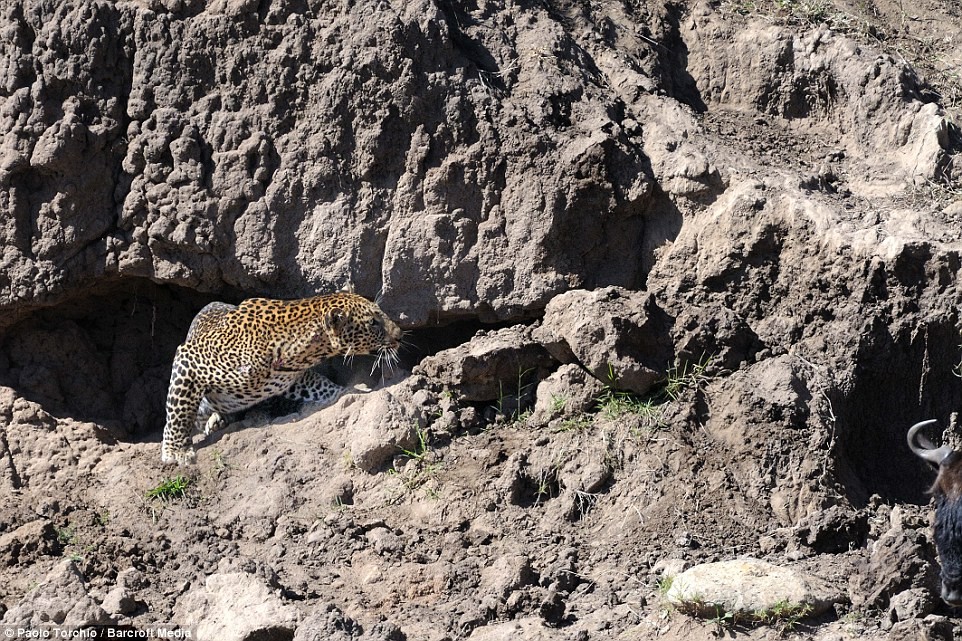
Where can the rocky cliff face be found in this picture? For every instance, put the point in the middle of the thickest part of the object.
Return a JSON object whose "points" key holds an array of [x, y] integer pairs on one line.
{"points": [[462, 162], [758, 205], [462, 165]]}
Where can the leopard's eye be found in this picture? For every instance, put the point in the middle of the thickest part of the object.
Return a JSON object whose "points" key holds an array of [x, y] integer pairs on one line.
{"points": [[374, 321]]}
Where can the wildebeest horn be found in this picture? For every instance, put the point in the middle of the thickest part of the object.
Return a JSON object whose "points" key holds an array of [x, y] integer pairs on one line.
{"points": [[926, 450]]}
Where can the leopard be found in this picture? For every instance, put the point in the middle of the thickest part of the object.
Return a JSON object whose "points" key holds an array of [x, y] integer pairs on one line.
{"points": [[236, 356]]}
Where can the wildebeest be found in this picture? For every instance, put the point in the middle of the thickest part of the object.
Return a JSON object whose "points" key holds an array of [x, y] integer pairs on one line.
{"points": [[947, 490]]}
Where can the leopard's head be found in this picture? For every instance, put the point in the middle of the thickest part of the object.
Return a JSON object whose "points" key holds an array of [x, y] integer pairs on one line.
{"points": [[356, 325]]}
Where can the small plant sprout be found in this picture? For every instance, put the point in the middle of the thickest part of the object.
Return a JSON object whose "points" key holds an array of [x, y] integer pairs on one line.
{"points": [[421, 448], [420, 469], [218, 466], [614, 403], [722, 620], [510, 403], [66, 535], [650, 408], [576, 424], [558, 403], [612, 378], [784, 614], [547, 483], [687, 376], [664, 584]]}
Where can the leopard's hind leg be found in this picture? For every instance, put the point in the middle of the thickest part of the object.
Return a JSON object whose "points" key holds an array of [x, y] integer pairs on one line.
{"points": [[183, 400], [208, 419]]}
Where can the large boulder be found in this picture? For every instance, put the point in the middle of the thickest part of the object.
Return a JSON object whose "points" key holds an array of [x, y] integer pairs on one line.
{"points": [[378, 426], [621, 337], [413, 151]]}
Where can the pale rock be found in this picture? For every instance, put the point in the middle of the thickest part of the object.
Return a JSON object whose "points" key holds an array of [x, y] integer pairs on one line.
{"points": [[915, 603], [569, 391], [376, 427], [119, 601], [746, 587], [506, 574], [527, 628], [236, 606]]}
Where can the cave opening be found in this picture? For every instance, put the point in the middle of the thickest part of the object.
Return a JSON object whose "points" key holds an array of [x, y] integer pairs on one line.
{"points": [[104, 355]]}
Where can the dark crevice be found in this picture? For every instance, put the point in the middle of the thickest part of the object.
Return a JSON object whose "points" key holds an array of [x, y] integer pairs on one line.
{"points": [[15, 481], [533, 490], [423, 342], [901, 379], [673, 63], [474, 51]]}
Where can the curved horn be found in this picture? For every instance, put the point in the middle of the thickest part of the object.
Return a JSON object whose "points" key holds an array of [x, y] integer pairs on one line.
{"points": [[932, 455]]}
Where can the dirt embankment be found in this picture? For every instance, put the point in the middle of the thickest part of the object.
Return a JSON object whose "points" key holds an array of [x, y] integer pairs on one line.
{"points": [[712, 249]]}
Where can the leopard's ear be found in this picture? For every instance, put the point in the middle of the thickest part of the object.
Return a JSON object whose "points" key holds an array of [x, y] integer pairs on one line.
{"points": [[335, 319]]}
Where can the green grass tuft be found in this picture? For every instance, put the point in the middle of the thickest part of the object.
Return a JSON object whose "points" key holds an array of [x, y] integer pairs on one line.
{"points": [[170, 489], [688, 376], [420, 449], [66, 535]]}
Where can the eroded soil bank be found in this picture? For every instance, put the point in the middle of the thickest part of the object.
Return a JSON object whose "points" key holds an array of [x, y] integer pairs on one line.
{"points": [[676, 278]]}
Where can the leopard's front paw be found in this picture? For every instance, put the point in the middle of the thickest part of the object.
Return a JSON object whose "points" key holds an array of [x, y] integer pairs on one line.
{"points": [[180, 456]]}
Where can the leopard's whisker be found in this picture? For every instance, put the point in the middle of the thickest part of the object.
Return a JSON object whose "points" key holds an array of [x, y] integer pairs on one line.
{"points": [[386, 360]]}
